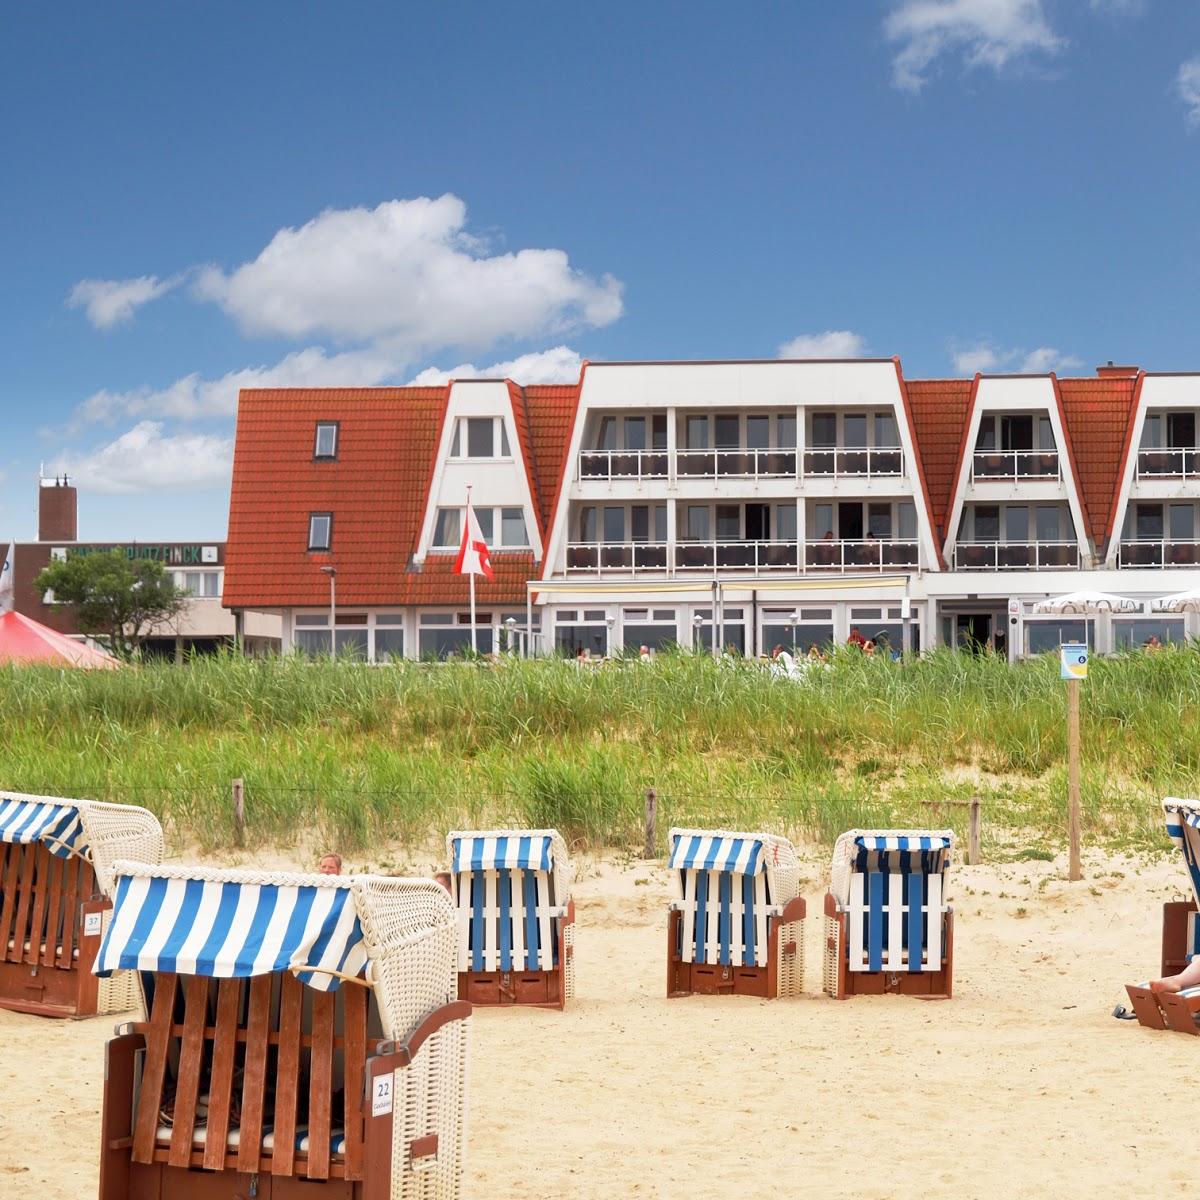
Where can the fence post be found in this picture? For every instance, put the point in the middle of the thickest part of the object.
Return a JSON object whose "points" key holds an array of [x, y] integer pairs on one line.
{"points": [[974, 832], [650, 849], [239, 811]]}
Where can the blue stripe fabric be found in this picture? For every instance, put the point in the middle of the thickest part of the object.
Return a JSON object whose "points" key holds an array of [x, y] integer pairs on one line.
{"points": [[701, 930], [528, 852], [916, 921], [749, 925], [875, 921], [532, 941], [504, 903], [477, 959], [24, 821], [739, 855], [725, 888], [874, 841]]}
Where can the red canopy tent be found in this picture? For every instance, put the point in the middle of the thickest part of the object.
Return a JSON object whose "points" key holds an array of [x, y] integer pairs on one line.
{"points": [[25, 642]]}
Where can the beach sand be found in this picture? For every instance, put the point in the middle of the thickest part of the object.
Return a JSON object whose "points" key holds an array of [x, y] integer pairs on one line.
{"points": [[1022, 1085]]}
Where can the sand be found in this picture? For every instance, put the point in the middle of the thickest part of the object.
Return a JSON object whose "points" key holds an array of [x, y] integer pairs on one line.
{"points": [[1022, 1085]]}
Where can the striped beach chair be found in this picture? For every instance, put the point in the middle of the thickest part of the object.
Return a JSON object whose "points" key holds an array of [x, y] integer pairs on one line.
{"points": [[299, 1035], [887, 925], [56, 859], [736, 924], [1180, 933], [516, 919]]}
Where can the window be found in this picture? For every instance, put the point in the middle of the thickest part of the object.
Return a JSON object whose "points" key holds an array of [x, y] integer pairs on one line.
{"points": [[639, 523], [1016, 523], [1183, 517], [1181, 430], [487, 526], [1045, 434], [320, 527], [879, 521], [606, 439], [1149, 522], [729, 522], [785, 523], [987, 523], [822, 520], [697, 433], [325, 445], [658, 431], [1152, 432], [697, 522], [886, 435], [726, 431], [635, 433], [389, 643], [854, 426], [483, 437], [1048, 524], [660, 522], [785, 431], [614, 524], [448, 527], [512, 527], [824, 429], [587, 524], [908, 521], [758, 432]]}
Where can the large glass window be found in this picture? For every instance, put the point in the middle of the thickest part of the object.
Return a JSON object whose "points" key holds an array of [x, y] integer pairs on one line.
{"points": [[325, 445], [389, 643], [635, 433], [785, 431], [587, 524], [1183, 522], [487, 525], [785, 523], [758, 432], [1048, 524], [484, 437], [512, 527], [822, 521], [879, 521], [1045, 434], [614, 524], [908, 521], [697, 433], [1149, 522], [1181, 430], [1041, 636], [658, 431], [312, 642], [886, 434], [728, 523], [697, 522], [1129, 635], [987, 523], [1016, 523], [854, 428], [447, 528], [607, 438], [639, 523], [320, 528], [726, 431], [824, 429], [660, 522]]}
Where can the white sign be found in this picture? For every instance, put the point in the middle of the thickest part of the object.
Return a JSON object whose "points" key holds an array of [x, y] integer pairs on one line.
{"points": [[381, 1095], [92, 924], [208, 554], [1014, 608]]}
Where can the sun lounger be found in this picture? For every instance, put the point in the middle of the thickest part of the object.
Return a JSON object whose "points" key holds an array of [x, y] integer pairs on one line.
{"points": [[56, 857], [516, 919], [298, 1036], [736, 925], [887, 926]]}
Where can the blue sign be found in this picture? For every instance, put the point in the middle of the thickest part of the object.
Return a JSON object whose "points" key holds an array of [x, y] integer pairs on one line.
{"points": [[1073, 659]]}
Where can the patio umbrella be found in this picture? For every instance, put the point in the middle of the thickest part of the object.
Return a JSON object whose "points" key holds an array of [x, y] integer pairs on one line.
{"points": [[1177, 602], [1079, 604], [25, 642]]}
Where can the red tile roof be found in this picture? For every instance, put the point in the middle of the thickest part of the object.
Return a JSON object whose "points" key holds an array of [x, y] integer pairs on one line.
{"points": [[1098, 416], [552, 409], [940, 410]]}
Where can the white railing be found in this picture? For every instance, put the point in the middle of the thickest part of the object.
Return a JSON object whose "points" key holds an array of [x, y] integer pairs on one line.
{"points": [[735, 463], [1167, 552], [1015, 556], [1174, 463], [622, 464], [859, 463], [634, 558], [870, 555], [997, 465], [755, 557]]}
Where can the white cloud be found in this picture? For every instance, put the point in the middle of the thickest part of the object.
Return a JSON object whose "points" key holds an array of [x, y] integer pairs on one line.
{"points": [[560, 365], [406, 275], [1188, 82], [986, 33], [833, 343], [144, 460], [110, 302], [985, 359]]}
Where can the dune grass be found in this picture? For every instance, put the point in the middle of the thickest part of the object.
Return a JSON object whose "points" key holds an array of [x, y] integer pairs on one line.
{"points": [[361, 754]]}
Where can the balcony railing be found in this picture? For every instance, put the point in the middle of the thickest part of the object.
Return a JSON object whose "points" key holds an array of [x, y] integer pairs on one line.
{"points": [[870, 555], [1016, 556], [859, 463], [1168, 464], [622, 464], [735, 464], [996, 466], [592, 558], [752, 557], [1169, 552], [755, 557]]}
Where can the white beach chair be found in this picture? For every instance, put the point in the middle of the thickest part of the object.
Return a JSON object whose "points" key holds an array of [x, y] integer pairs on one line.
{"points": [[736, 925], [516, 919], [887, 925]]}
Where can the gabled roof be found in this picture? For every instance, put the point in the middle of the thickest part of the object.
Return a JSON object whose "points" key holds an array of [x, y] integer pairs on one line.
{"points": [[553, 408], [940, 411], [1098, 415]]}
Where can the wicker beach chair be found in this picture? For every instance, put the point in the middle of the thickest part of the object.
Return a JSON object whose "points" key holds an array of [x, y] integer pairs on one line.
{"points": [[299, 1037], [1180, 932], [516, 919], [887, 926], [56, 859], [736, 924]]}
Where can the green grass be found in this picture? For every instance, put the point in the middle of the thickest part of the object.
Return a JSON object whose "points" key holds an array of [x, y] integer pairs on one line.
{"points": [[408, 751]]}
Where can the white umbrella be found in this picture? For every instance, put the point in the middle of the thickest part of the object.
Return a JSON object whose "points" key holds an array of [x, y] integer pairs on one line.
{"points": [[1179, 602], [1087, 603]]}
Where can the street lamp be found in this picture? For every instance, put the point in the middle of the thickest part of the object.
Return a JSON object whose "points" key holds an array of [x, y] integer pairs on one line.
{"points": [[332, 573], [510, 623], [794, 621], [610, 622], [697, 625]]}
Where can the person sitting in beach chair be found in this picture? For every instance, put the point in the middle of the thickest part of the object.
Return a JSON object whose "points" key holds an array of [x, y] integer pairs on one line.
{"points": [[1173, 1000], [736, 925], [516, 918], [298, 1034], [329, 864], [887, 926]]}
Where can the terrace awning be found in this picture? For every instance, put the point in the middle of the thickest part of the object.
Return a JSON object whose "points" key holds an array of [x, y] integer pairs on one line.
{"points": [[700, 852], [165, 919], [491, 852], [25, 820]]}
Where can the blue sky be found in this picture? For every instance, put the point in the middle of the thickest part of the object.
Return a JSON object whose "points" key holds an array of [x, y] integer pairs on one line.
{"points": [[201, 196]]}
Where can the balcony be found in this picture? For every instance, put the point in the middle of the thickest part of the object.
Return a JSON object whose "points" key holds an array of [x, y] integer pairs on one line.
{"points": [[858, 463], [735, 464], [622, 464], [1016, 556], [1000, 466], [1170, 552], [1178, 463], [870, 555]]}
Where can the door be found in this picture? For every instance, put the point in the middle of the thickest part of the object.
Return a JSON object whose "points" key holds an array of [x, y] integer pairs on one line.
{"points": [[973, 631]]}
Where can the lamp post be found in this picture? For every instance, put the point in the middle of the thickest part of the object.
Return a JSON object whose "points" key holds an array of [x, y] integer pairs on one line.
{"points": [[510, 623], [332, 573], [697, 625], [794, 621], [611, 623]]}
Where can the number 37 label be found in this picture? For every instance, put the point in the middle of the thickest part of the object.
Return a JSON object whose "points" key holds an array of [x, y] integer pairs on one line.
{"points": [[381, 1095]]}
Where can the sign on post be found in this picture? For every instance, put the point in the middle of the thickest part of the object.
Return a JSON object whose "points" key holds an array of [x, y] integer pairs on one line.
{"points": [[1073, 663], [1073, 660]]}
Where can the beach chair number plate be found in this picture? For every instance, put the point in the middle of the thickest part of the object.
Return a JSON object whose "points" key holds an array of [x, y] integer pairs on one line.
{"points": [[381, 1096], [91, 924]]}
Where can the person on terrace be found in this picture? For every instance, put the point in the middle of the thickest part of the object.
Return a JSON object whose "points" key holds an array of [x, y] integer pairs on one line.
{"points": [[856, 638]]}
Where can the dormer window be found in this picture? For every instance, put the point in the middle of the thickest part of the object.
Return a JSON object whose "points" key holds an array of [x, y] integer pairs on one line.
{"points": [[480, 437], [325, 444], [320, 530]]}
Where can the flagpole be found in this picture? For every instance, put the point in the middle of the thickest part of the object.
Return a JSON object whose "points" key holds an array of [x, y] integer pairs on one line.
{"points": [[467, 516]]}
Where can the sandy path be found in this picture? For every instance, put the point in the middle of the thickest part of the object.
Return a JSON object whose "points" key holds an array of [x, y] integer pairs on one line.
{"points": [[1023, 1085]]}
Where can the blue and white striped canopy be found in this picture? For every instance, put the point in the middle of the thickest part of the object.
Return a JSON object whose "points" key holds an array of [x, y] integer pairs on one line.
{"points": [[1177, 818], [704, 852], [228, 929], [1182, 815], [879, 841], [24, 821], [488, 853]]}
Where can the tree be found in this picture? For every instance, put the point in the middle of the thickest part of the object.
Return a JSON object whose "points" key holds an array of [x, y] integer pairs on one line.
{"points": [[113, 596]]}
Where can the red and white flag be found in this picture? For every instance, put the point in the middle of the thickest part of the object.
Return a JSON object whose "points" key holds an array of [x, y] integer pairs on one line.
{"points": [[474, 557]]}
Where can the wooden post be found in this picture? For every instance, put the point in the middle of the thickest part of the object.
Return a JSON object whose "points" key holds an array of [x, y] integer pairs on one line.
{"points": [[1074, 871], [239, 811], [974, 831], [650, 849]]}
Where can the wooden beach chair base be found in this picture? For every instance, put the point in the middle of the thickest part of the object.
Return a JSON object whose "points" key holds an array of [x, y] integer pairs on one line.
{"points": [[1177, 916], [842, 983], [1145, 1006], [708, 979]]}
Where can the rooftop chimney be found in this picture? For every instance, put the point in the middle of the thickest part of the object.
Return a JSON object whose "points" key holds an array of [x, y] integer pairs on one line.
{"points": [[1109, 371], [58, 511]]}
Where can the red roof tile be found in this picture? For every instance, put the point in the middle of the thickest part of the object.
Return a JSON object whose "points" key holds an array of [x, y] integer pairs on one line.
{"points": [[940, 411], [552, 409]]}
